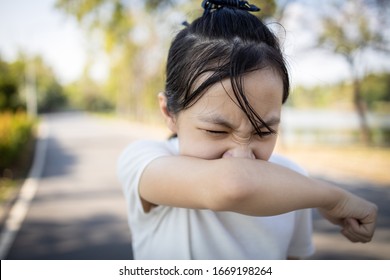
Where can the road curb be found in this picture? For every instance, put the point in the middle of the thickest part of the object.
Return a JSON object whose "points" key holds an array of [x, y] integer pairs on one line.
{"points": [[19, 209]]}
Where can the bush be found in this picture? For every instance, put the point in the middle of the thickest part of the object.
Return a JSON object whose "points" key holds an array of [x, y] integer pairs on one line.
{"points": [[16, 131]]}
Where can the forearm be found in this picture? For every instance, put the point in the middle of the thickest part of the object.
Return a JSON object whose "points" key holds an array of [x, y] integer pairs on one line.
{"points": [[252, 187], [271, 190], [260, 188]]}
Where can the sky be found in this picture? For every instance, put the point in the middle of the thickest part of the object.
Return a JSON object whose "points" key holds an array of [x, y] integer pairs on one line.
{"points": [[36, 27]]}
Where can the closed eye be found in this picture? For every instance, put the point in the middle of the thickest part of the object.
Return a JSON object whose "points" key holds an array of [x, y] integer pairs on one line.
{"points": [[216, 131], [266, 133]]}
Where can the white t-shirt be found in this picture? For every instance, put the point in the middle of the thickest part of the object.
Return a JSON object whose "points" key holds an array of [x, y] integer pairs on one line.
{"points": [[179, 233]]}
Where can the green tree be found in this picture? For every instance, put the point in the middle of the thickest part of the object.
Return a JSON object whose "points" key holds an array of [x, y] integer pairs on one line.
{"points": [[16, 77], [9, 83], [50, 94], [87, 94], [376, 90], [349, 29]]}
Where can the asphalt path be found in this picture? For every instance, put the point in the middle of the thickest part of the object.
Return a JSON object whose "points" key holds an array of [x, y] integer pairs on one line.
{"points": [[78, 210]]}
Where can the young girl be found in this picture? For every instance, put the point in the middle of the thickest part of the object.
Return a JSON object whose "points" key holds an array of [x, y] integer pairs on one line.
{"points": [[216, 190]]}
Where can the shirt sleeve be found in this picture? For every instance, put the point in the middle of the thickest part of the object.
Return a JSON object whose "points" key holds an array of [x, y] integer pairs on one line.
{"points": [[131, 165]]}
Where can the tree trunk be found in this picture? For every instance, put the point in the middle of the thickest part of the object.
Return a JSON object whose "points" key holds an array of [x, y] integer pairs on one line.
{"points": [[360, 106]]}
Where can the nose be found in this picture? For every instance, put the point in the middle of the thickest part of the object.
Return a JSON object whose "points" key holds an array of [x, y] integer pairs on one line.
{"points": [[240, 152]]}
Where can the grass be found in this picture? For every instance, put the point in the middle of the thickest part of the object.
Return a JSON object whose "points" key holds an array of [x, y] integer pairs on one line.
{"points": [[14, 176], [17, 143]]}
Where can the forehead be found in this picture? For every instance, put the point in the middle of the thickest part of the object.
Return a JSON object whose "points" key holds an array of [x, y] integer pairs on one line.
{"points": [[263, 90]]}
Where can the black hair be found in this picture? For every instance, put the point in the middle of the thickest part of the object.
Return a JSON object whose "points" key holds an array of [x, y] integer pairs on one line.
{"points": [[227, 42]]}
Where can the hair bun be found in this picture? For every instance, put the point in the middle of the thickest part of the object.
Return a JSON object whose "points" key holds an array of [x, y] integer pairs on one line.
{"points": [[209, 5]]}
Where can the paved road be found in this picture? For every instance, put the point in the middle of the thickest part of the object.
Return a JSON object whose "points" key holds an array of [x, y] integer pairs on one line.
{"points": [[79, 212]]}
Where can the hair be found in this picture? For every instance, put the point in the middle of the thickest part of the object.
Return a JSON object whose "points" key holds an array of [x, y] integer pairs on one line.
{"points": [[224, 43]]}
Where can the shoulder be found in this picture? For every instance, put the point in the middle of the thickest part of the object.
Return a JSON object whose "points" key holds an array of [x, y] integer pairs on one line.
{"points": [[140, 153], [285, 162], [141, 148]]}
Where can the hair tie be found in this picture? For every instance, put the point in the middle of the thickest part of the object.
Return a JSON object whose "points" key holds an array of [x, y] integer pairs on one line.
{"points": [[209, 5], [185, 23]]}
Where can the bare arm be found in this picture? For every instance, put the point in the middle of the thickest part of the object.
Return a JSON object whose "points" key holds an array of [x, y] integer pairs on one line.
{"points": [[252, 187]]}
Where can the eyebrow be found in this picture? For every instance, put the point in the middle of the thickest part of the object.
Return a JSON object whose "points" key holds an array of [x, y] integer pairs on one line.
{"points": [[216, 119], [272, 121], [219, 120]]}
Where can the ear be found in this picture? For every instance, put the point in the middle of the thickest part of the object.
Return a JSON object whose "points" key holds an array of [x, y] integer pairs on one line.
{"points": [[169, 118]]}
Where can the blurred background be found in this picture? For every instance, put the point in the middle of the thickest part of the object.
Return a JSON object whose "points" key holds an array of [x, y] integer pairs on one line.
{"points": [[89, 71]]}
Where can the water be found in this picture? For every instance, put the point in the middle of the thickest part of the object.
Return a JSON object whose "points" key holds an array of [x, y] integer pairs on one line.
{"points": [[309, 125]]}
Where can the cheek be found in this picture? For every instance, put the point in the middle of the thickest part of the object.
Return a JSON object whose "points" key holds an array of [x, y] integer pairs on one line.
{"points": [[200, 147], [264, 150], [202, 150]]}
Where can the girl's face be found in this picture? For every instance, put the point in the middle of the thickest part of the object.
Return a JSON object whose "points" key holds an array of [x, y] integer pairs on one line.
{"points": [[215, 127]]}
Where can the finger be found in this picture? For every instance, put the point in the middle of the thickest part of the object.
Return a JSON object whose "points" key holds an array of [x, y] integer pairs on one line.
{"points": [[350, 236], [359, 231], [356, 232], [365, 230]]}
